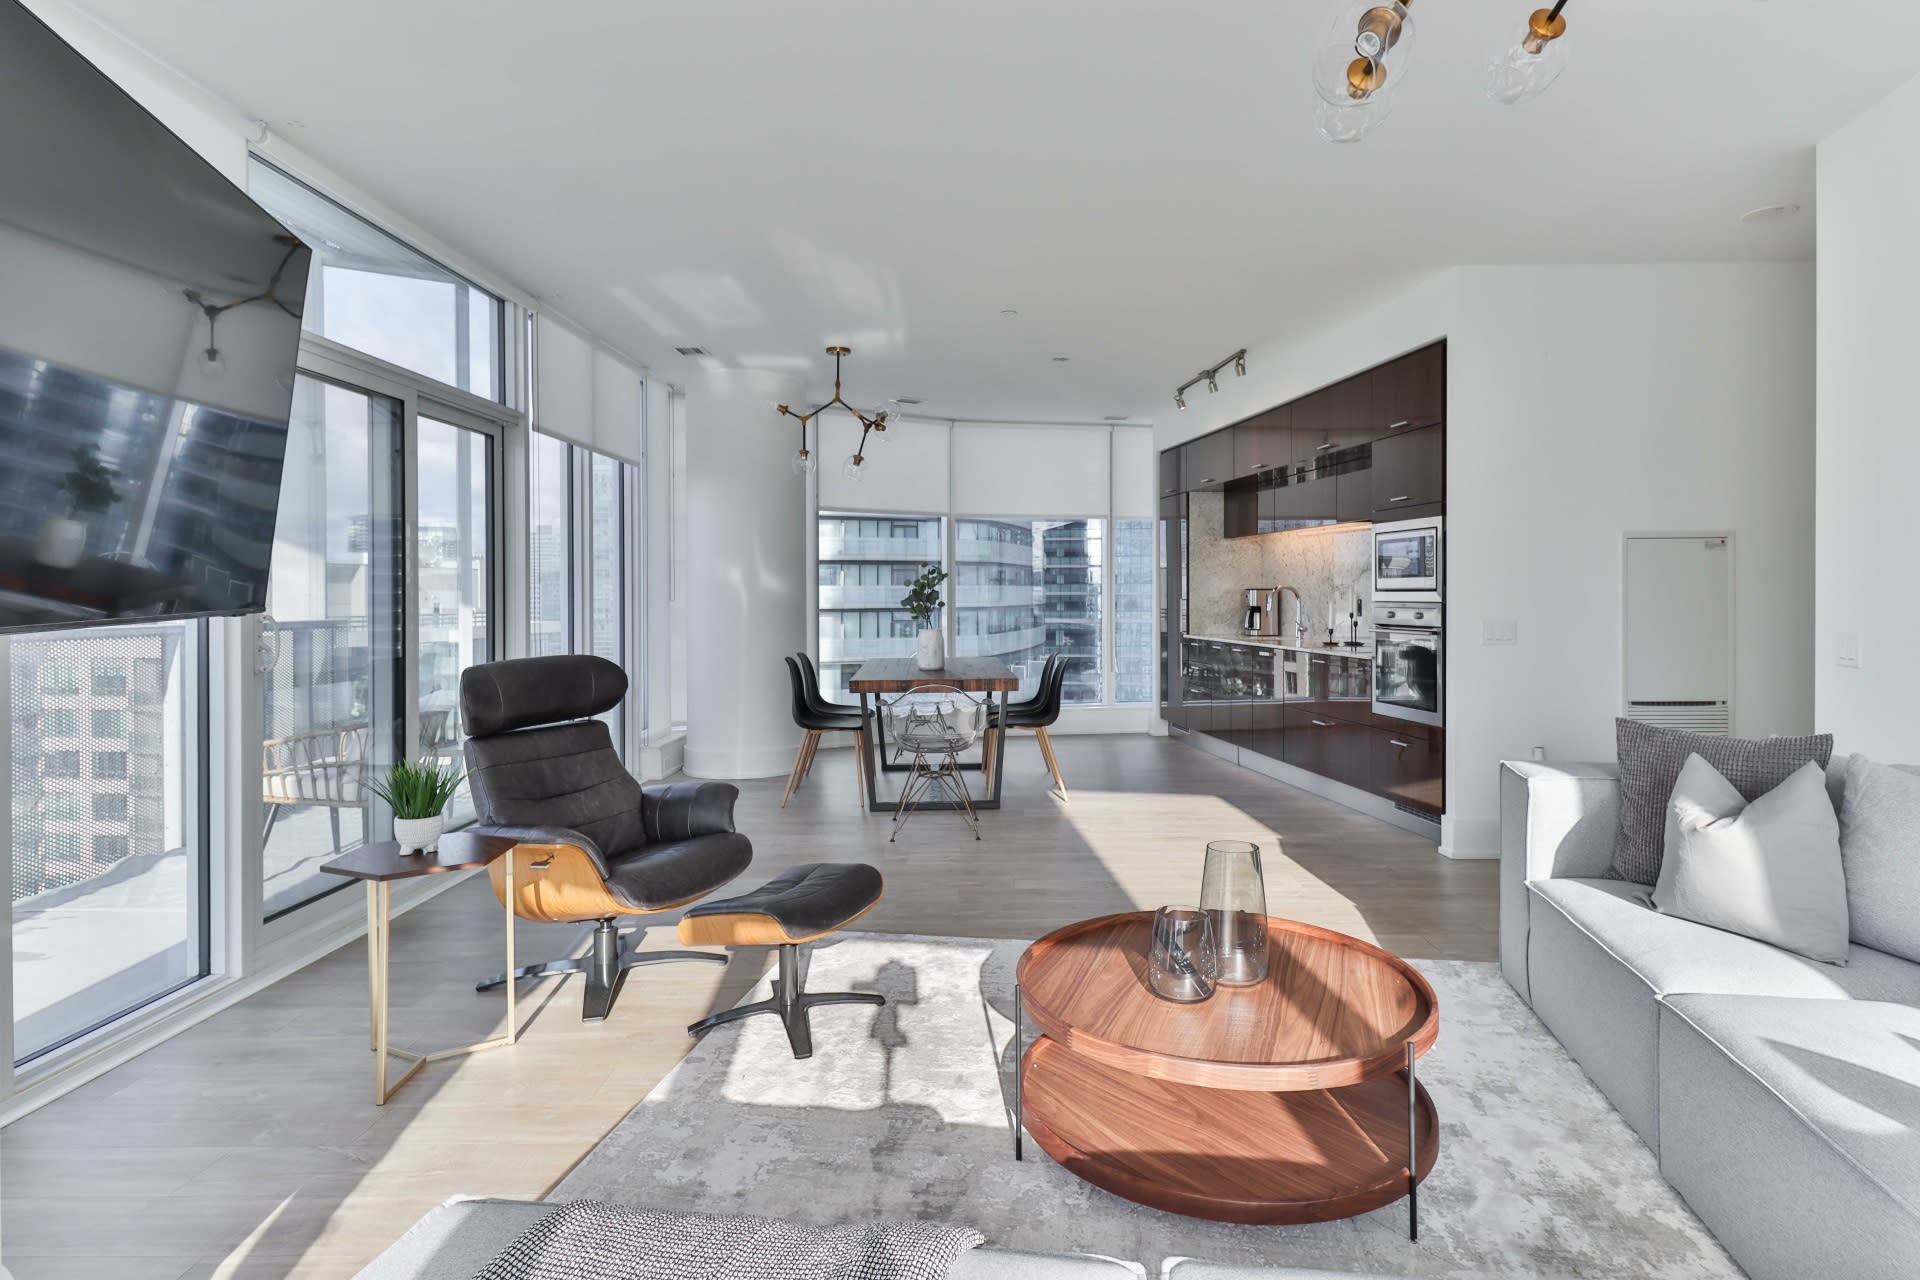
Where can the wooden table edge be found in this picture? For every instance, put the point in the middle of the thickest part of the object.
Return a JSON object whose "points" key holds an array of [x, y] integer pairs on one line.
{"points": [[1326, 1073]]}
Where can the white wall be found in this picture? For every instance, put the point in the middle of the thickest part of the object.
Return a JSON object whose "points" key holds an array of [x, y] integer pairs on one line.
{"points": [[1869, 447], [1585, 403]]}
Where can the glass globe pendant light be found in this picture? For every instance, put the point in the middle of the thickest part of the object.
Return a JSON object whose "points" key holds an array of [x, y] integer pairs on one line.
{"points": [[855, 467], [1359, 62], [1530, 67]]}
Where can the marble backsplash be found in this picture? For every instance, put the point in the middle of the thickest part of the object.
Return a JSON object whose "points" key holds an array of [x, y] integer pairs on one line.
{"points": [[1333, 566]]}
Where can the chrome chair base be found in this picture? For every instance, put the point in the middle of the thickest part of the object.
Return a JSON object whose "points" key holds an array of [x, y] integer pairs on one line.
{"points": [[606, 967], [790, 1000]]}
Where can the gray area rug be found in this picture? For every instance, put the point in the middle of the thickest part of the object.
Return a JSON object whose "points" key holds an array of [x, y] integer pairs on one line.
{"points": [[903, 1113]]}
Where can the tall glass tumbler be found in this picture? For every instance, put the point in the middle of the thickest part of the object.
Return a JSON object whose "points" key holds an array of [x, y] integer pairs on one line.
{"points": [[1233, 897], [1181, 967]]}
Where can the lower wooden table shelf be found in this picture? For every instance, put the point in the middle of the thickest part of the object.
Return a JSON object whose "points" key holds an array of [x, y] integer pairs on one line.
{"points": [[1232, 1155]]}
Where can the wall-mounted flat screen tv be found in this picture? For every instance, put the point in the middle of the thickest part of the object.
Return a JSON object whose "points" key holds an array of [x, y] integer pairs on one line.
{"points": [[149, 325]]}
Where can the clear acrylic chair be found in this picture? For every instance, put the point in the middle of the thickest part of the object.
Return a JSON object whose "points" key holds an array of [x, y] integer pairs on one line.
{"points": [[935, 723]]}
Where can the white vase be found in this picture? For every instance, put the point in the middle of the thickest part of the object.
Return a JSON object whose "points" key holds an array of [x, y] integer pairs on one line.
{"points": [[62, 542], [418, 835], [930, 653]]}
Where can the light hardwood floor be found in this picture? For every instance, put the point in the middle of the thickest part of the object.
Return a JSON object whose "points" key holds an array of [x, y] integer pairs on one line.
{"points": [[249, 1146]]}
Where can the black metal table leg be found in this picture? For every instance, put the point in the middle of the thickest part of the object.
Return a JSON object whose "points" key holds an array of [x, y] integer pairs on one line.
{"points": [[1018, 1070], [1413, 1148]]}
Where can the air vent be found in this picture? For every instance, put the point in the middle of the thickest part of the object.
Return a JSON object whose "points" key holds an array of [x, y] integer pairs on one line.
{"points": [[908, 400], [1714, 718], [693, 351]]}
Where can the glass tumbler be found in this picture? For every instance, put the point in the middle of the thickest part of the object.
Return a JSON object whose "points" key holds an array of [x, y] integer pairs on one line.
{"points": [[1233, 897], [1181, 967]]}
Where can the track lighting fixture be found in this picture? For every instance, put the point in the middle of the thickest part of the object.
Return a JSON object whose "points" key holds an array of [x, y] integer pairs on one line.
{"points": [[871, 428], [1211, 377], [1530, 67]]}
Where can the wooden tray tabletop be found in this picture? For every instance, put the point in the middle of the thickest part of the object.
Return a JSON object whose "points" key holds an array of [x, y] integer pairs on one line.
{"points": [[1333, 1011]]}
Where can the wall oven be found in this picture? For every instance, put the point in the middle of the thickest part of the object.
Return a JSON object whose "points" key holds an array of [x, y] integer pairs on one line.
{"points": [[1409, 662], [1407, 557]]}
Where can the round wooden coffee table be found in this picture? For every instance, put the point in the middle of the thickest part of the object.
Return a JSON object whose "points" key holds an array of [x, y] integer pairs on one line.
{"points": [[1291, 1100]]}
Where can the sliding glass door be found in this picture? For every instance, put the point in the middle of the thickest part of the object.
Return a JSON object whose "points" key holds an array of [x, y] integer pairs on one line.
{"points": [[333, 642], [453, 585]]}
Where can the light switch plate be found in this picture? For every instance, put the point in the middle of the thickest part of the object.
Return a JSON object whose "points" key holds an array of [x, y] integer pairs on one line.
{"points": [[1500, 631], [1846, 649]]}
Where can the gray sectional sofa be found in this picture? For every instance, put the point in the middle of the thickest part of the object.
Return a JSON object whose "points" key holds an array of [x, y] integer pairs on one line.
{"points": [[458, 1239], [1781, 1095]]}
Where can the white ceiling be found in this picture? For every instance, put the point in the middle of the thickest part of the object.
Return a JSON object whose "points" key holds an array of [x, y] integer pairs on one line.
{"points": [[1140, 179]]}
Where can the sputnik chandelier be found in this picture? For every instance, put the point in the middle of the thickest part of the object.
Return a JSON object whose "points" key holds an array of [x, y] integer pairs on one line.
{"points": [[874, 428], [1361, 60]]}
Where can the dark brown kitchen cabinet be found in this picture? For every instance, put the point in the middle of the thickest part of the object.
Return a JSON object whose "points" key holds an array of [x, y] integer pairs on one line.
{"points": [[1173, 622], [1409, 393], [1263, 443], [1243, 508], [1410, 770], [1207, 463], [1171, 482], [1324, 744], [1410, 473]]}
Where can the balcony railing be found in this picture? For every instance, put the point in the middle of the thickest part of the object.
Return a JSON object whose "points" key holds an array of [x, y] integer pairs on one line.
{"points": [[834, 546]]}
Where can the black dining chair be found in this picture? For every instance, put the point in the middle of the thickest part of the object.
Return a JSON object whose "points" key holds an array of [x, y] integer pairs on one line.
{"points": [[1036, 716], [814, 723], [810, 676]]}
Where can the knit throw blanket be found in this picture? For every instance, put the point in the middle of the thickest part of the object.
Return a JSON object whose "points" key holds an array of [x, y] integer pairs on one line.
{"points": [[590, 1240]]}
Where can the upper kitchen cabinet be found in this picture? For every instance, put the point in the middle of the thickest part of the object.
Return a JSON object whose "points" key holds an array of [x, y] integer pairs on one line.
{"points": [[1207, 463], [1410, 473], [1171, 482], [1263, 443], [1409, 393]]}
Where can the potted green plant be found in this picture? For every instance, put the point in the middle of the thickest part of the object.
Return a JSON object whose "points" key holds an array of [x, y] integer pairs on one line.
{"points": [[921, 600], [89, 486], [417, 791]]}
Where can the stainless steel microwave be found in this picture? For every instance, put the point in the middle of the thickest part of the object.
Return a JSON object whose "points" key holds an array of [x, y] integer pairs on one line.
{"points": [[1407, 559]]}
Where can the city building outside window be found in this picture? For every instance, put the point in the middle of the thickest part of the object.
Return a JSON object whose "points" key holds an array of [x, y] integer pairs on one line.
{"points": [[866, 562], [1027, 589]]}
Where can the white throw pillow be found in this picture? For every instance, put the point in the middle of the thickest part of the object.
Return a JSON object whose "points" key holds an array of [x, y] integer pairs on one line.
{"points": [[1768, 870]]}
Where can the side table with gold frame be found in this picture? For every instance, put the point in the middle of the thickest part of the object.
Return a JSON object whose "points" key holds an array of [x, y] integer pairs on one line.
{"points": [[379, 865]]}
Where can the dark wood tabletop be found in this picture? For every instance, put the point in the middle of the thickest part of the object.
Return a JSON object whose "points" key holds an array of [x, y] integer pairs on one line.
{"points": [[898, 675], [458, 851]]}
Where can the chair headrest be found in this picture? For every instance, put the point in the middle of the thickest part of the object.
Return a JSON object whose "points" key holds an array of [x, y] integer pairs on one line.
{"points": [[498, 697]]}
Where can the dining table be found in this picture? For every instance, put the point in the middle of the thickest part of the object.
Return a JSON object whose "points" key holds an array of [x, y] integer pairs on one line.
{"points": [[987, 677]]}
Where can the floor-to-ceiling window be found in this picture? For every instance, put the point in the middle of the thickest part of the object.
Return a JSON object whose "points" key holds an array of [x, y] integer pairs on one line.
{"points": [[330, 679], [867, 562], [109, 857], [550, 546], [1025, 590]]}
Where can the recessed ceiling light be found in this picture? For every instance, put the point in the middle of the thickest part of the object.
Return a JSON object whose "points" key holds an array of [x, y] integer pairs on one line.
{"points": [[693, 351], [1061, 359], [1770, 213], [1009, 314], [1115, 417]]}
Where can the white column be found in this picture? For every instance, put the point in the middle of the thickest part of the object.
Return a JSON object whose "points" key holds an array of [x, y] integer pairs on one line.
{"points": [[746, 574]]}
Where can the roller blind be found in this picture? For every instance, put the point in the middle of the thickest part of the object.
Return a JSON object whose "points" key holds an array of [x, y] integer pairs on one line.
{"points": [[908, 473], [1135, 472], [1008, 470], [563, 392], [617, 414]]}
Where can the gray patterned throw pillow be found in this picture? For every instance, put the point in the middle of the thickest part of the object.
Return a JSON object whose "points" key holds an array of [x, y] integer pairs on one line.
{"points": [[1650, 763]]}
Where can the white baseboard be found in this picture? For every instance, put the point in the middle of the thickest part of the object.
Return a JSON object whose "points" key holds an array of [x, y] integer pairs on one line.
{"points": [[661, 759]]}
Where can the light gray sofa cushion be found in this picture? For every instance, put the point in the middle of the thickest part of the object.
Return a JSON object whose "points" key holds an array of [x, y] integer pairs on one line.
{"points": [[458, 1239], [1556, 820], [1600, 957], [1880, 848], [1789, 1125], [1650, 761], [1767, 870]]}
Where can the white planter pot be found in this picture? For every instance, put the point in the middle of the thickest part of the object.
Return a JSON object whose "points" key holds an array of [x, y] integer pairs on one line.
{"points": [[418, 835], [930, 653], [62, 542]]}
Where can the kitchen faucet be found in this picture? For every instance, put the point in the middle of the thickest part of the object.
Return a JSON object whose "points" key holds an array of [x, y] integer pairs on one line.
{"points": [[1299, 612]]}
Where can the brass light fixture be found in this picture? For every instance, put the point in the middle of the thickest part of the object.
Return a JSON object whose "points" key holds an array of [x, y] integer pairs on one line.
{"points": [[1211, 377], [1530, 67], [1362, 56], [855, 466]]}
